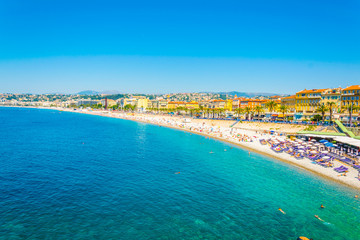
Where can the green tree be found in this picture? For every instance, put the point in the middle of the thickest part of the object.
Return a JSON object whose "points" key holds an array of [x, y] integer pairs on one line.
{"points": [[322, 109], [350, 109], [239, 111], [283, 109], [221, 112], [271, 105], [258, 109], [331, 106], [129, 107], [213, 111], [248, 111], [316, 118]]}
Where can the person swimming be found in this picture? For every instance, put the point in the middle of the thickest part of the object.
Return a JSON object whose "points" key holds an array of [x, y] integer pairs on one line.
{"points": [[282, 211], [318, 217], [322, 206], [177, 173]]}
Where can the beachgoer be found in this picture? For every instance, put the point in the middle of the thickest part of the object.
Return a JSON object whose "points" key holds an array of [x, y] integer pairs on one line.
{"points": [[281, 211], [322, 206], [318, 217], [177, 173], [356, 196]]}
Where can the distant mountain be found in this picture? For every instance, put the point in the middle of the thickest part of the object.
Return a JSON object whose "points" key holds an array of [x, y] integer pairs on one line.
{"points": [[88, 92], [247, 94], [92, 92]]}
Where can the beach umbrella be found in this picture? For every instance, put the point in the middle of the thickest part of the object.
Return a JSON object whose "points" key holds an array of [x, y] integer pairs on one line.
{"points": [[301, 151], [329, 144], [313, 151], [313, 140], [313, 147], [326, 157], [301, 147], [325, 151]]}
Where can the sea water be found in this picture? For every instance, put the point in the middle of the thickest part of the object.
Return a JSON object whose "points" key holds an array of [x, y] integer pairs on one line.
{"points": [[76, 176]]}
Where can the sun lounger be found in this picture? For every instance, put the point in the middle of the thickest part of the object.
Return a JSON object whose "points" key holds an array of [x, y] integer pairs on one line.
{"points": [[341, 169]]}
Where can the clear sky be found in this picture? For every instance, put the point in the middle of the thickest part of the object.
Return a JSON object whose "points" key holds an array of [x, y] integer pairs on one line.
{"points": [[155, 46]]}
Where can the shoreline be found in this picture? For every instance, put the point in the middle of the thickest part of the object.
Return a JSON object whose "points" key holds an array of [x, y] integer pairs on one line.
{"points": [[255, 146]]}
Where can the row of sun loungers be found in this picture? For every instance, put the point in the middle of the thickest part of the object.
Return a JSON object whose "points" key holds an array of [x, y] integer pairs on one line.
{"points": [[322, 159]]}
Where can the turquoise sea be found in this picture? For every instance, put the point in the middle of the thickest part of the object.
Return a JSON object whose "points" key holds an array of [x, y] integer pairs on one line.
{"points": [[75, 176]]}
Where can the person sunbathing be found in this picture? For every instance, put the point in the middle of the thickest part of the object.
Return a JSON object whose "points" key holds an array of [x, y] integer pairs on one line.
{"points": [[281, 211]]}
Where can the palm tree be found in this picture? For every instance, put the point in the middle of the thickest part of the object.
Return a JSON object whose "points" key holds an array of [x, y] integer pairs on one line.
{"points": [[322, 109], [221, 111], [213, 111], [331, 105], [283, 109], [207, 111], [238, 111], [197, 111], [271, 105], [248, 111], [186, 110], [350, 108], [259, 109], [179, 109], [191, 110]]}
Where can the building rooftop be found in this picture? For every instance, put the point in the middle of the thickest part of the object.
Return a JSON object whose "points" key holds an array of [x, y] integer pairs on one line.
{"points": [[353, 87], [312, 91]]}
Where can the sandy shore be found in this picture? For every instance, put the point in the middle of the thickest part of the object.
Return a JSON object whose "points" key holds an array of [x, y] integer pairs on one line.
{"points": [[247, 139]]}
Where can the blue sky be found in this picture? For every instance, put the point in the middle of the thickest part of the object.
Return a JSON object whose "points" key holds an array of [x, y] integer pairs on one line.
{"points": [[176, 46]]}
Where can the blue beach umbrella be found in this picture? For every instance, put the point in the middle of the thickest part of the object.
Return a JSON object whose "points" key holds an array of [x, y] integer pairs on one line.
{"points": [[329, 144]]}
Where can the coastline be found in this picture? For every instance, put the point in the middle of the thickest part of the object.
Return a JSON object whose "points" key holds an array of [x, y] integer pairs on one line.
{"points": [[255, 146]]}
